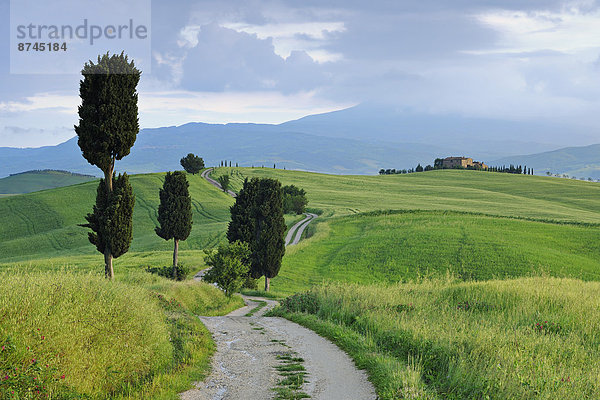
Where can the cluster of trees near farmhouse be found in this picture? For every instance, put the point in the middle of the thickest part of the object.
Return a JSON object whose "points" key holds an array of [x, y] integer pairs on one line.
{"points": [[393, 171], [439, 164], [107, 129], [512, 169]]}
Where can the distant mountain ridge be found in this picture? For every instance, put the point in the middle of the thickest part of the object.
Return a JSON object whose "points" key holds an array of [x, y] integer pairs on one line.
{"points": [[581, 162], [358, 140], [160, 149]]}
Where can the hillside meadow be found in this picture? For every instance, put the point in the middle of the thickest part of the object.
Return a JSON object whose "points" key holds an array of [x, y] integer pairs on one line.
{"points": [[66, 335], [524, 338], [501, 194], [44, 224], [400, 246], [33, 181]]}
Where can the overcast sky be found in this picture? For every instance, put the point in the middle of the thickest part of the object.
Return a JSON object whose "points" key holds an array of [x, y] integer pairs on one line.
{"points": [[272, 61]]}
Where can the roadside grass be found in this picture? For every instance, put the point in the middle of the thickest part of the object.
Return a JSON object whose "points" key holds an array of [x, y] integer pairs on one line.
{"points": [[293, 374], [520, 339], [292, 219], [77, 335], [398, 246], [261, 305]]}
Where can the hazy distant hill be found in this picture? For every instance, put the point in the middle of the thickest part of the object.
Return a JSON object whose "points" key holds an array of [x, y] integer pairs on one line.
{"points": [[358, 140], [161, 149], [581, 162], [32, 181], [481, 138]]}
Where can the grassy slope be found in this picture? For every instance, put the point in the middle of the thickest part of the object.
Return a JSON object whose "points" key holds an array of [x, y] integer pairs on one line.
{"points": [[79, 333], [449, 340], [402, 246], [472, 191], [382, 248], [44, 224], [39, 180]]}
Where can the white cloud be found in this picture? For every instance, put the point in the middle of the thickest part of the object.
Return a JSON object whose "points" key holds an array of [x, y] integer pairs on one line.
{"points": [[303, 36], [177, 107], [43, 101], [568, 31]]}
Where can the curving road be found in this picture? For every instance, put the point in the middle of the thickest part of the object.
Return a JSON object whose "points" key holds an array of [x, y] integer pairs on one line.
{"points": [[243, 366], [295, 232], [206, 175], [247, 349]]}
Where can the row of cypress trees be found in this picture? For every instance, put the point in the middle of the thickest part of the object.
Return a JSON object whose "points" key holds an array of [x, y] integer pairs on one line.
{"points": [[107, 129]]}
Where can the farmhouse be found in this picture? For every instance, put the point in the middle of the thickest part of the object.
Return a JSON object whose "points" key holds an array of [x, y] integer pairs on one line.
{"points": [[462, 162]]}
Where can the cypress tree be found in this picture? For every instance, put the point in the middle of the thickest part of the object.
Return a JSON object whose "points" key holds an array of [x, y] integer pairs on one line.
{"points": [[175, 212], [111, 221], [108, 127], [257, 219]]}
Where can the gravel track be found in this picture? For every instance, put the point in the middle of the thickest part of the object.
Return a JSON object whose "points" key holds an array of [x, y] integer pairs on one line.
{"points": [[243, 366], [205, 174], [247, 349]]}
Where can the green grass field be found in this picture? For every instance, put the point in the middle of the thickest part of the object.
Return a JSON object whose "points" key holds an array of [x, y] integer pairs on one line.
{"points": [[33, 181], [512, 339], [471, 191], [467, 225], [402, 246], [43, 225], [470, 224]]}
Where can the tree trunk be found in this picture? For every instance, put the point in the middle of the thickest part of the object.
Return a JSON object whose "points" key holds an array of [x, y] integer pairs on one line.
{"points": [[108, 178], [175, 258], [267, 284], [108, 264]]}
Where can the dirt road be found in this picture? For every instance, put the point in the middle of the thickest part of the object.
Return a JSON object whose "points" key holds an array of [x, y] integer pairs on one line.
{"points": [[206, 175], [295, 233], [247, 349]]}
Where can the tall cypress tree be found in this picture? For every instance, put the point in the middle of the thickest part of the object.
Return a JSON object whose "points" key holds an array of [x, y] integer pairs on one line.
{"points": [[108, 127], [111, 221], [257, 219], [175, 212]]}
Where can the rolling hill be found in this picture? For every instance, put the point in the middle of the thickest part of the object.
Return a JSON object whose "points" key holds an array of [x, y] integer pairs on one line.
{"points": [[32, 181], [469, 224], [582, 162], [45, 224], [472, 224], [358, 140]]}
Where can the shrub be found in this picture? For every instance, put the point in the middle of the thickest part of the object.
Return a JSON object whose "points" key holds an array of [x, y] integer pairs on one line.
{"points": [[301, 302], [224, 182], [294, 200], [229, 266], [167, 271]]}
